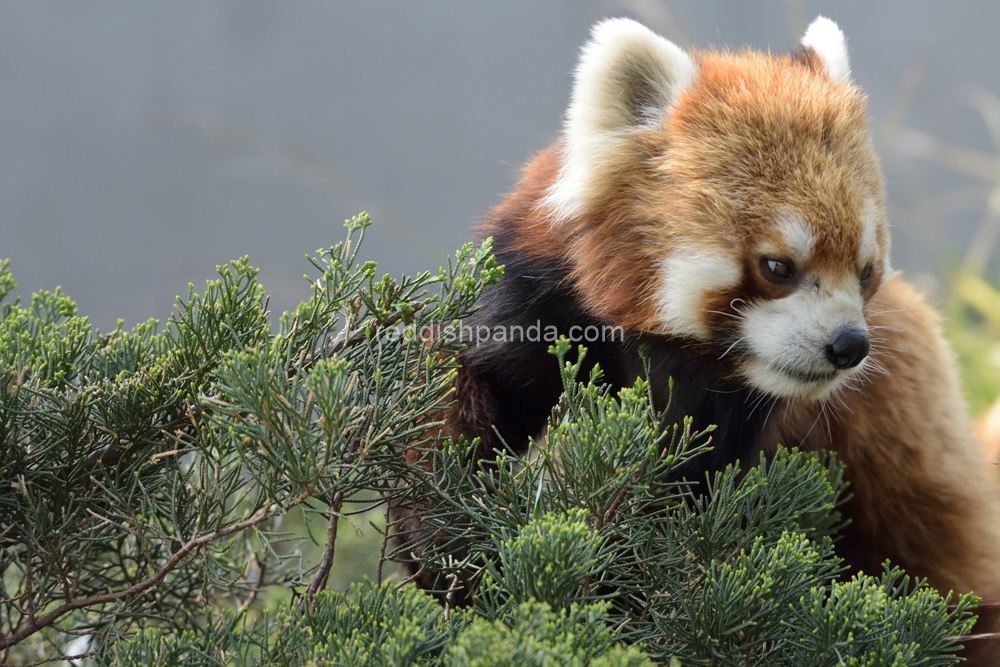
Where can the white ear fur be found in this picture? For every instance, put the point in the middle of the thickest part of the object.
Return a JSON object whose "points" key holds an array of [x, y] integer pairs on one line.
{"points": [[825, 38], [626, 80]]}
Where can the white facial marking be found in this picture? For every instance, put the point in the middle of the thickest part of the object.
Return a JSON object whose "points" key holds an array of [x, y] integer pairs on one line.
{"points": [[627, 79], [787, 338], [825, 38], [798, 235], [686, 281]]}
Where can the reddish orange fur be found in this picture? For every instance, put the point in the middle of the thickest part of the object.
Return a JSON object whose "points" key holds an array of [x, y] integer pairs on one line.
{"points": [[923, 494]]}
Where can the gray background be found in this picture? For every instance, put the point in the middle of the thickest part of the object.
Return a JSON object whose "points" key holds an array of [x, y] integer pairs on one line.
{"points": [[143, 143]]}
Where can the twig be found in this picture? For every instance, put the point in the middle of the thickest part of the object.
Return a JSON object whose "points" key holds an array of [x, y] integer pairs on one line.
{"points": [[322, 575], [610, 512], [965, 638], [340, 343], [381, 551], [978, 606], [37, 624], [342, 340], [454, 585], [66, 658], [262, 566]]}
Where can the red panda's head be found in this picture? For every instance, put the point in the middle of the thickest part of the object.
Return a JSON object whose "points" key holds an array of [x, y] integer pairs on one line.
{"points": [[730, 198]]}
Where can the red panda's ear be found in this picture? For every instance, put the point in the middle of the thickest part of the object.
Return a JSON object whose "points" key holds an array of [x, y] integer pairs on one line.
{"points": [[627, 79], [825, 49]]}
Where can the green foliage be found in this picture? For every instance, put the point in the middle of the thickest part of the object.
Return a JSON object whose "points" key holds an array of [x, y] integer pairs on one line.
{"points": [[145, 476], [545, 561], [535, 636], [388, 626], [141, 471], [741, 573]]}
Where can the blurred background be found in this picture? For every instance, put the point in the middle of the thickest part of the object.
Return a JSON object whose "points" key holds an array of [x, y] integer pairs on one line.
{"points": [[141, 144]]}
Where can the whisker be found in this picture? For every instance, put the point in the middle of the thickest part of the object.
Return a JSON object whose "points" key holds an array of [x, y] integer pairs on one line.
{"points": [[885, 311], [759, 401], [826, 418], [770, 363], [730, 348], [876, 367], [811, 427], [841, 402], [723, 391], [768, 416], [737, 316]]}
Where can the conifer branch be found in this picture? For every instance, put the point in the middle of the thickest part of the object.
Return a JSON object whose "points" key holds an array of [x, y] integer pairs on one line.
{"points": [[322, 575], [173, 562]]}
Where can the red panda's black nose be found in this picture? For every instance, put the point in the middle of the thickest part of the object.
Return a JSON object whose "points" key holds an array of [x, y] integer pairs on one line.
{"points": [[849, 346]]}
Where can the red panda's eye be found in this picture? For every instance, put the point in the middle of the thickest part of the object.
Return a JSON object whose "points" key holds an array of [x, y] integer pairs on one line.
{"points": [[866, 275], [778, 270]]}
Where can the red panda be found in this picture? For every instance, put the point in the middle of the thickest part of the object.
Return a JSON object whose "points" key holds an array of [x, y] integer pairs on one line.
{"points": [[728, 211]]}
